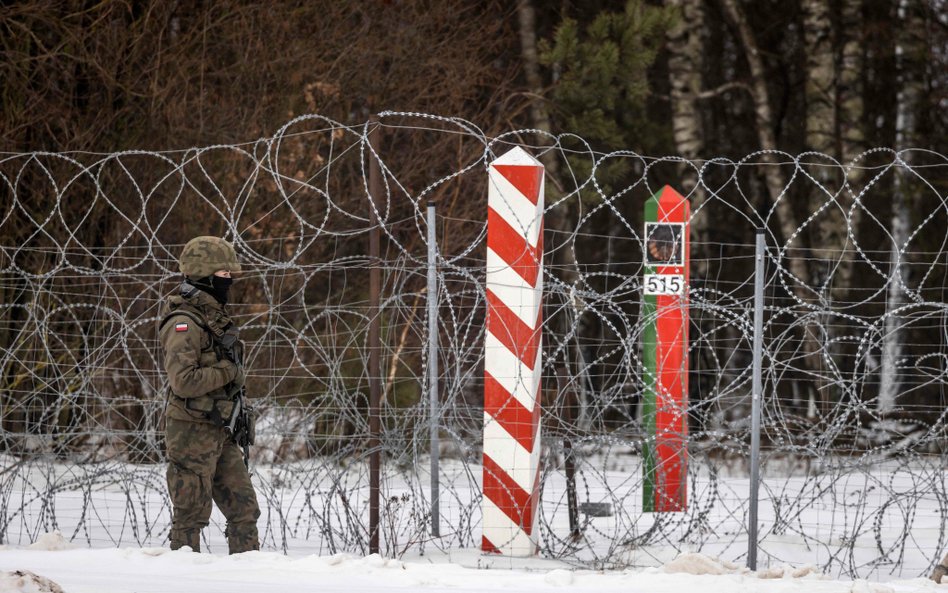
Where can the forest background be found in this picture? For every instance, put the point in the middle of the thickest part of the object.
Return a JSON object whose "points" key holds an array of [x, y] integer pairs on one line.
{"points": [[694, 78]]}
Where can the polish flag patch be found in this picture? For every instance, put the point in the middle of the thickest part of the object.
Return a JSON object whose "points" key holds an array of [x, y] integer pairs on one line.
{"points": [[181, 327]]}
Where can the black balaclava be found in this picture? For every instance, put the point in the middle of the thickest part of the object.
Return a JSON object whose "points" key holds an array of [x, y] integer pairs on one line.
{"points": [[216, 286]]}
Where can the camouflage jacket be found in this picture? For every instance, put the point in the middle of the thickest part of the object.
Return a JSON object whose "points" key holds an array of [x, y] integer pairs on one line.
{"points": [[196, 374]]}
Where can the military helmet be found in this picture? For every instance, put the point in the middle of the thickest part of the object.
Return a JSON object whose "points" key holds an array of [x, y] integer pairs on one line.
{"points": [[202, 256]]}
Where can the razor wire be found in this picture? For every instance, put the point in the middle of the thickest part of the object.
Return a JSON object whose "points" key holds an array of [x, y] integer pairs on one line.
{"points": [[851, 482]]}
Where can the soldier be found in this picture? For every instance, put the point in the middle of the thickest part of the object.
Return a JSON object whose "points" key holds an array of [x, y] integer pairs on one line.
{"points": [[204, 461]]}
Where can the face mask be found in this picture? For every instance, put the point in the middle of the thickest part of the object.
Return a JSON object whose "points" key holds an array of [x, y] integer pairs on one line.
{"points": [[221, 288]]}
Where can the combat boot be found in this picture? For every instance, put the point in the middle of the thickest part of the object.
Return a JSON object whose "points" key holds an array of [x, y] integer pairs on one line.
{"points": [[186, 537], [242, 538]]}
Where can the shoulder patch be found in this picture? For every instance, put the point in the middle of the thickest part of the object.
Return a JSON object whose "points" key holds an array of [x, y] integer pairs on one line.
{"points": [[181, 327]]}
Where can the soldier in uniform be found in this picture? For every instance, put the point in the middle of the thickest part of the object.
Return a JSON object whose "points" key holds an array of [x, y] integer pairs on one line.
{"points": [[204, 462]]}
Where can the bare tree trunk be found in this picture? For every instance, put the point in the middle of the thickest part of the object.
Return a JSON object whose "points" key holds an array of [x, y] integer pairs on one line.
{"points": [[684, 72], [909, 54], [685, 62], [849, 88], [685, 67], [820, 87], [776, 183], [773, 176], [850, 122], [828, 231], [556, 219], [850, 139], [539, 115]]}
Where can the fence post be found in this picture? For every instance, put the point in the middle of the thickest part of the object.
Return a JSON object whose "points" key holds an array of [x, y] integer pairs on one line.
{"points": [[569, 461], [375, 335], [513, 353], [433, 367], [757, 388]]}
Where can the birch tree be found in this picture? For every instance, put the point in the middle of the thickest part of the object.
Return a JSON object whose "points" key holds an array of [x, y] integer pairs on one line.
{"points": [[909, 56], [820, 88], [764, 120], [685, 63], [828, 232], [851, 129], [557, 218], [776, 185], [852, 135]]}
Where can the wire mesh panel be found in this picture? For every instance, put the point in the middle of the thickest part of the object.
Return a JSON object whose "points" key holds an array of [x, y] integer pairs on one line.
{"points": [[855, 345]]}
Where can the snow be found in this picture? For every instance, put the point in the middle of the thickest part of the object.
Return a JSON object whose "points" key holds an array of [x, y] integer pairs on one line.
{"points": [[159, 570], [114, 523], [24, 581], [693, 563], [51, 542]]}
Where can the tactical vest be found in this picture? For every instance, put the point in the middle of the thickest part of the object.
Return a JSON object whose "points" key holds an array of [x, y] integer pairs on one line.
{"points": [[215, 404]]}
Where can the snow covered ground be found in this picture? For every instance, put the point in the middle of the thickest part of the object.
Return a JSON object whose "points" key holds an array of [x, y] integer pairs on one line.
{"points": [[158, 570], [882, 523]]}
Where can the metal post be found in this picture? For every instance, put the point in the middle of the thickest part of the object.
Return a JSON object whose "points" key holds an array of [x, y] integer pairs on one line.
{"points": [[375, 336], [433, 366], [757, 388], [569, 461]]}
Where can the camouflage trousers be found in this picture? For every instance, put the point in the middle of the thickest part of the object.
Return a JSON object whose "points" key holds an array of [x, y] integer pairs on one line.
{"points": [[204, 464], [941, 570]]}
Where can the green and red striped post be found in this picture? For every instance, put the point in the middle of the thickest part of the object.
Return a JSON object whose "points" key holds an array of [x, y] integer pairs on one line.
{"points": [[665, 352]]}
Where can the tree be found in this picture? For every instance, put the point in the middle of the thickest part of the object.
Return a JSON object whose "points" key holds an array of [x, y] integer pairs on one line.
{"points": [[603, 81], [685, 64], [155, 75], [851, 129], [777, 188], [764, 121], [910, 54]]}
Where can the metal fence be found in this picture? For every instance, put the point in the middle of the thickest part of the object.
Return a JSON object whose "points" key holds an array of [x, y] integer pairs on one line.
{"points": [[852, 367]]}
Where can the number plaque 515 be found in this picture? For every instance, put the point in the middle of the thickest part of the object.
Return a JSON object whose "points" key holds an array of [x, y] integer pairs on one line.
{"points": [[664, 284]]}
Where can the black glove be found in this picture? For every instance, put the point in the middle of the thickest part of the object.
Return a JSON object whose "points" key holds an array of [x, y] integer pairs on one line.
{"points": [[240, 378]]}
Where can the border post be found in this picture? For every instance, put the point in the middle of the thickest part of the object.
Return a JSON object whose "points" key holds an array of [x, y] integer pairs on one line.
{"points": [[665, 352], [513, 354]]}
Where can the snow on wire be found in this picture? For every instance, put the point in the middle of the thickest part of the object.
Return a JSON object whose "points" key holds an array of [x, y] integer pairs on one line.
{"points": [[855, 345]]}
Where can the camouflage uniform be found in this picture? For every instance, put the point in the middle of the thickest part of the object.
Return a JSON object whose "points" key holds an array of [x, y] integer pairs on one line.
{"points": [[940, 570], [204, 463]]}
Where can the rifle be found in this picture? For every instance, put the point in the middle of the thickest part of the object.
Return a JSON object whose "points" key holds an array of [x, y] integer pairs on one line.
{"points": [[240, 423]]}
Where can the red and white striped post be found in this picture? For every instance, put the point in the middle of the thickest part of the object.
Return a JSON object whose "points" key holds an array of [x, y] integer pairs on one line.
{"points": [[512, 357]]}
